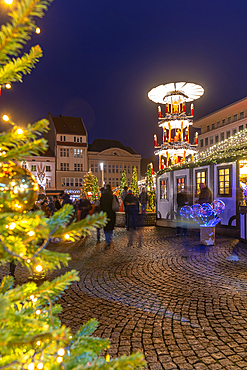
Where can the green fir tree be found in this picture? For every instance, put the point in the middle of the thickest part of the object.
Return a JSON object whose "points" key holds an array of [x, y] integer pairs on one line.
{"points": [[150, 188], [123, 182], [31, 334], [88, 183], [95, 194], [134, 182]]}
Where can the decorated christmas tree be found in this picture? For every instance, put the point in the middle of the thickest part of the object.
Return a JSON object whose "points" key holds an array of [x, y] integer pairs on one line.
{"points": [[150, 188], [95, 192], [31, 334], [134, 182], [123, 182], [88, 183]]}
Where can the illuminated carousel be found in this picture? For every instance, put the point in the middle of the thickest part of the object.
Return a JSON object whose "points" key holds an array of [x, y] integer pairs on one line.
{"points": [[175, 123]]}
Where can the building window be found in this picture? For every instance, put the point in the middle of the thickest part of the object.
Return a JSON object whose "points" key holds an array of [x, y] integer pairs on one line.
{"points": [[206, 141], [78, 153], [63, 181], [64, 138], [64, 152], [109, 168], [223, 122], [64, 166], [48, 168], [125, 169], [222, 136], [229, 120], [241, 115], [80, 182], [79, 167], [74, 139], [76, 182], [241, 128], [225, 181], [235, 117], [216, 139], [116, 181], [80, 139], [180, 184], [211, 140], [128, 169], [212, 126], [113, 168], [120, 169], [234, 130], [200, 179], [116, 168], [96, 167], [33, 167], [104, 168], [218, 124], [24, 165], [201, 143], [109, 181], [208, 128], [61, 138], [71, 182], [92, 167], [228, 134], [48, 182], [164, 189], [67, 181]]}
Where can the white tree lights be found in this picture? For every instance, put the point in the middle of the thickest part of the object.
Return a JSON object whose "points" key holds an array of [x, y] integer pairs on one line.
{"points": [[174, 121]]}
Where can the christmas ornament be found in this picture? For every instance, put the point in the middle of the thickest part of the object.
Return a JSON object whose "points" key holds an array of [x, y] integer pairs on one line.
{"points": [[18, 188]]}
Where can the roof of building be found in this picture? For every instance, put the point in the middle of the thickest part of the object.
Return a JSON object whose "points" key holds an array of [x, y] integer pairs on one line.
{"points": [[99, 145], [68, 125], [47, 153]]}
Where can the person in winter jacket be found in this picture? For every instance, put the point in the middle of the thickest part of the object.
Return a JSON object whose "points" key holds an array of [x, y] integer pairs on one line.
{"points": [[106, 206], [143, 198], [131, 208]]}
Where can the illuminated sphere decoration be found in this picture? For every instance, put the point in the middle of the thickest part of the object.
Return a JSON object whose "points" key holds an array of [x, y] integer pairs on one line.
{"points": [[18, 189]]}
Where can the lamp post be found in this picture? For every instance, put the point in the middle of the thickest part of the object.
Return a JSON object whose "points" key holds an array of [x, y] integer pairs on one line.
{"points": [[102, 174]]}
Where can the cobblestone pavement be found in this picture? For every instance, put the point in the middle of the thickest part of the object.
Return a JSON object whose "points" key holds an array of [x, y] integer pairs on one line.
{"points": [[184, 305]]}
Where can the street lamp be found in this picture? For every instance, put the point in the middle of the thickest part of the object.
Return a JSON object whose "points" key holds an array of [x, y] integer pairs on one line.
{"points": [[102, 174]]}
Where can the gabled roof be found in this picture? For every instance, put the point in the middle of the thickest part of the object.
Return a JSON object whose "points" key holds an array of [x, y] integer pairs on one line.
{"points": [[68, 125], [99, 145]]}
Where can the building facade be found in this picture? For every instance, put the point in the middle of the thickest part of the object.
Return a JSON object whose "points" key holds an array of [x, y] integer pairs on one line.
{"points": [[67, 138], [114, 157], [222, 124], [43, 167]]}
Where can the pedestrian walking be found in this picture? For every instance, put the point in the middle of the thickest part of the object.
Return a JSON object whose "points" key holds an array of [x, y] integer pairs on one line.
{"points": [[122, 197], [143, 198], [56, 202], [84, 206], [205, 195], [182, 200], [131, 208], [106, 201]]}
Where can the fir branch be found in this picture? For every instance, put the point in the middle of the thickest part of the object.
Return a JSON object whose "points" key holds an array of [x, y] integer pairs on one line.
{"points": [[14, 70]]}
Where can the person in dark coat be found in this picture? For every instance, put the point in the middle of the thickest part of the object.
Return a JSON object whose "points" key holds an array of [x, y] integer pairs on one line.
{"points": [[84, 206], [182, 200], [143, 198], [205, 195], [106, 206], [131, 208], [66, 199], [56, 202]]}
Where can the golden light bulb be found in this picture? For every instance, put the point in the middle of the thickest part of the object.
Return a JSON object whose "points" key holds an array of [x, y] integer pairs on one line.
{"points": [[12, 226], [32, 297], [5, 118], [108, 357], [59, 359], [19, 131], [38, 343], [61, 352], [35, 300], [38, 30], [31, 366], [66, 236], [28, 261], [8, 86], [40, 365], [38, 312], [31, 233], [39, 268]]}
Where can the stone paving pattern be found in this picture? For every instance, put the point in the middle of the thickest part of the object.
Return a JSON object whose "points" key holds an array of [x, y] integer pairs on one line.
{"points": [[182, 304]]}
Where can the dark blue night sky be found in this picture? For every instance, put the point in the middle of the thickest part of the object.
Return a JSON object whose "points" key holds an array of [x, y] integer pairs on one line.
{"points": [[102, 57]]}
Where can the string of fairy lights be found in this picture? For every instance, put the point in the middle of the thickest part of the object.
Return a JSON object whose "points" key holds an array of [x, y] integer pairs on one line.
{"points": [[227, 150]]}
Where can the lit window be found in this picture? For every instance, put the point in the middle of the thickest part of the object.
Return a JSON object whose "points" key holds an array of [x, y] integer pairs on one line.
{"points": [[164, 189], [180, 184], [200, 179], [224, 181], [48, 182]]}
